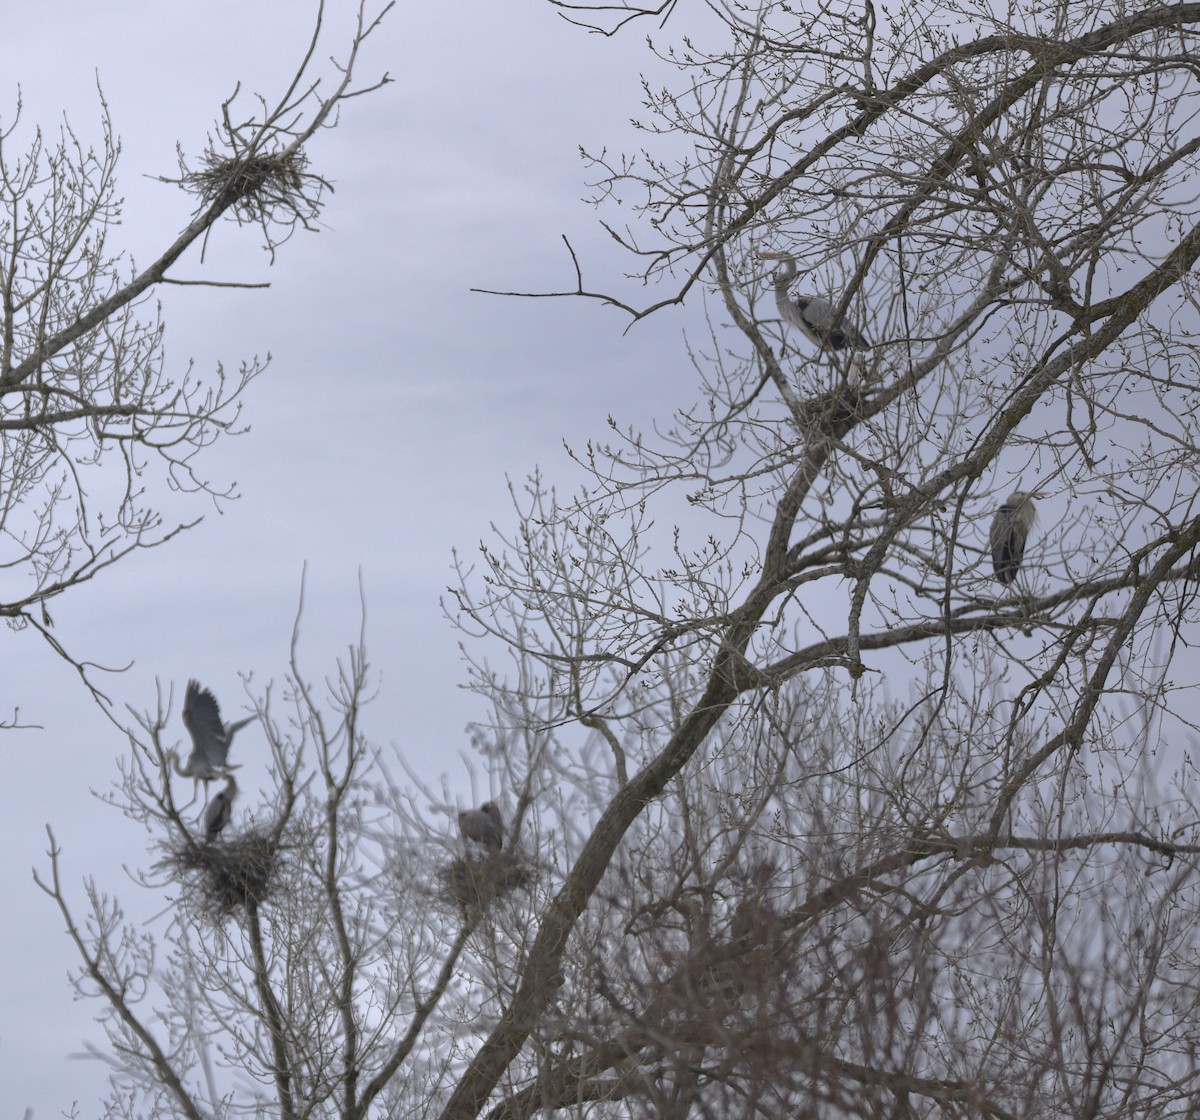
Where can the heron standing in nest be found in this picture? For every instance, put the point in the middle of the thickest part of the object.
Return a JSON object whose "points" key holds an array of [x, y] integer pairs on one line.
{"points": [[813, 315], [219, 811], [483, 825]]}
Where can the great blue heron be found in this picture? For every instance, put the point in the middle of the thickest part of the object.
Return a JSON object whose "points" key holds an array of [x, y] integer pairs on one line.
{"points": [[814, 315], [1010, 530], [483, 825], [210, 737], [219, 810]]}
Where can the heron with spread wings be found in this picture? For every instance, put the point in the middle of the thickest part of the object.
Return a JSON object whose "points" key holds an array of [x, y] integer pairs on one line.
{"points": [[210, 738]]}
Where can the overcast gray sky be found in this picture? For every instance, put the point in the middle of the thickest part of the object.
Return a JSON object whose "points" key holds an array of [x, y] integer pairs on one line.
{"points": [[396, 403]]}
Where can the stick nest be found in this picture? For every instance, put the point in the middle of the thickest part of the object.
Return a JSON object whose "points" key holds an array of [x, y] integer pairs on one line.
{"points": [[474, 882], [259, 188], [228, 874]]}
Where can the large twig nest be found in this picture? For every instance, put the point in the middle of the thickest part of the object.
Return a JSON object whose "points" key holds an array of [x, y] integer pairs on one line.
{"points": [[227, 875], [473, 882], [260, 188]]}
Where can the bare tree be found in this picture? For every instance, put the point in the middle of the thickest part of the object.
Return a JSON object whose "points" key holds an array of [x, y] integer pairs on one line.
{"points": [[93, 428], [1005, 209], [806, 814]]}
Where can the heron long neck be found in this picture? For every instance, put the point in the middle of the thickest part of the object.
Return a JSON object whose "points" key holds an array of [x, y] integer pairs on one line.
{"points": [[784, 275]]}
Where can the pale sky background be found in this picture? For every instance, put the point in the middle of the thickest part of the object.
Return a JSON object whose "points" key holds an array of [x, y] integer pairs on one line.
{"points": [[396, 404]]}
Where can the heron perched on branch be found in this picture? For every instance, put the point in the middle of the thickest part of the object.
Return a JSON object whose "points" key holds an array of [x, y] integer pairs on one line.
{"points": [[219, 810], [1010, 530], [483, 825], [814, 315], [210, 737]]}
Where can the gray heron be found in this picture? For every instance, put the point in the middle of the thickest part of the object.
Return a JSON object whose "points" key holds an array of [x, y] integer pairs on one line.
{"points": [[219, 810], [814, 315], [1010, 530], [210, 737], [483, 825]]}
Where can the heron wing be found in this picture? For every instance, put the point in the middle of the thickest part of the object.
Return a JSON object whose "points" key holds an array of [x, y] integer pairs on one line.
{"points": [[493, 814], [817, 312], [202, 718], [819, 320], [848, 335], [472, 823]]}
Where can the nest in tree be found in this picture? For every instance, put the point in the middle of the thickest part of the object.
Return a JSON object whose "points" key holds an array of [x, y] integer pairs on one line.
{"points": [[258, 187], [473, 882], [228, 874]]}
